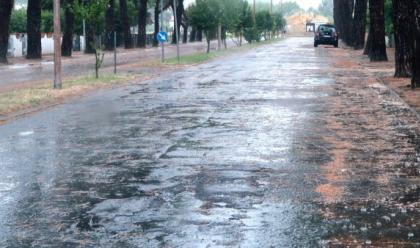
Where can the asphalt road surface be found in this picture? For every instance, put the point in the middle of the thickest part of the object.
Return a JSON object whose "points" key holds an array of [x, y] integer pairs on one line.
{"points": [[284, 145]]}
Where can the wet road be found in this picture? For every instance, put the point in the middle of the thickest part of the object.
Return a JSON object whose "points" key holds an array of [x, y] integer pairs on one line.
{"points": [[281, 146]]}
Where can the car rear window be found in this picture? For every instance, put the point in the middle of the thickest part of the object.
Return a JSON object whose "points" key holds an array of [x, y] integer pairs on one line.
{"points": [[326, 29]]}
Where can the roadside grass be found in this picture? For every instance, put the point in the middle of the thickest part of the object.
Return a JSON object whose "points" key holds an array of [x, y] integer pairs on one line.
{"points": [[43, 94], [197, 58], [26, 99]]}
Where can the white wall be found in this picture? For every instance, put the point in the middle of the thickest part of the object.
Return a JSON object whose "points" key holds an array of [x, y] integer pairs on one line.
{"points": [[18, 45]]}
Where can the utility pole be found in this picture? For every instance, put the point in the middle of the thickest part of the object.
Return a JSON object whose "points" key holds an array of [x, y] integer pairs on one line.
{"points": [[57, 46], [281, 7], [176, 30], [115, 52], [271, 7], [84, 34], [161, 30], [254, 14]]}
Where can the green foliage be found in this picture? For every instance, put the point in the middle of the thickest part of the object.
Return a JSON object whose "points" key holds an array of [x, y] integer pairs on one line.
{"points": [[206, 15], [47, 21], [264, 21], [18, 21], [93, 12], [236, 17], [289, 8], [279, 22], [252, 34], [326, 8], [47, 5], [389, 24]]}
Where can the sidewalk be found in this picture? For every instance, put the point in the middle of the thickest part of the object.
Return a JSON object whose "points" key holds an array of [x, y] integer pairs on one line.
{"points": [[22, 72], [383, 71]]}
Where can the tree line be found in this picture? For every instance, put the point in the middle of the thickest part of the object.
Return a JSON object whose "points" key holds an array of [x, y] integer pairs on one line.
{"points": [[104, 17], [216, 18], [399, 19]]}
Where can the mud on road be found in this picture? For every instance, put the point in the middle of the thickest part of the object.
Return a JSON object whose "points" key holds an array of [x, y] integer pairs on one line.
{"points": [[281, 146]]}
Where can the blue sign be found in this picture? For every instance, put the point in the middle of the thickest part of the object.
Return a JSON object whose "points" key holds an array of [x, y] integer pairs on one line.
{"points": [[162, 37]]}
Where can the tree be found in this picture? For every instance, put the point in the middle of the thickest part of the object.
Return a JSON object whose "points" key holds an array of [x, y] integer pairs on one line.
{"points": [[109, 26], [125, 23], [141, 39], [5, 14], [346, 16], [264, 23], [33, 27], [67, 45], [93, 12], [325, 8], [289, 8], [179, 13], [279, 22], [18, 21], [245, 23], [377, 51], [403, 33], [204, 15], [359, 24], [47, 21], [415, 82], [156, 23]]}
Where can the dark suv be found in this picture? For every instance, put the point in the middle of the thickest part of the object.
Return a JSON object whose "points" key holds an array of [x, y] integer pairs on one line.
{"points": [[326, 34]]}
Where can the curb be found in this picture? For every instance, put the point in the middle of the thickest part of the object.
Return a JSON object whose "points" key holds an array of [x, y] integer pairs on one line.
{"points": [[395, 94]]}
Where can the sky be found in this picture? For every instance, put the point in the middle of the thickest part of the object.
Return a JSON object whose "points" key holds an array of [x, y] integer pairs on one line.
{"points": [[303, 3], [306, 4]]}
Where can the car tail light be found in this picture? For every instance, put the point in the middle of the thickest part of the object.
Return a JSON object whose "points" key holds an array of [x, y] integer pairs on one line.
{"points": [[317, 33]]}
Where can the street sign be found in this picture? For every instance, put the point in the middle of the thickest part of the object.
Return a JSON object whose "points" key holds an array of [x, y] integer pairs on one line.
{"points": [[162, 37]]}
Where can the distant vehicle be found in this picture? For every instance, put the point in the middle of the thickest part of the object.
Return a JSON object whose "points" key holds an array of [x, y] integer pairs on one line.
{"points": [[326, 34]]}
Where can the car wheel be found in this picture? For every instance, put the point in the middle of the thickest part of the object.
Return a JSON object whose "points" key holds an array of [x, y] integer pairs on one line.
{"points": [[336, 44], [316, 44]]}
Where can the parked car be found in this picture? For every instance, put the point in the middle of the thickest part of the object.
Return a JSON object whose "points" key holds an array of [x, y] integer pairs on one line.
{"points": [[326, 34]]}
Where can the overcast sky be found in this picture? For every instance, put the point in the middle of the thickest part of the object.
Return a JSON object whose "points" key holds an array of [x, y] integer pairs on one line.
{"points": [[308, 3], [303, 3]]}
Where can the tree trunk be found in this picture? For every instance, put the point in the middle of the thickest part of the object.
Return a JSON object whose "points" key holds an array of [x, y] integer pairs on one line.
{"points": [[67, 45], [359, 24], [5, 13], [90, 39], [377, 50], [185, 34], [208, 42], [224, 37], [415, 83], [109, 26], [368, 44], [193, 34], [199, 35], [337, 18], [141, 39], [125, 22], [156, 24], [343, 16], [179, 13], [219, 36], [403, 33], [33, 27], [346, 16]]}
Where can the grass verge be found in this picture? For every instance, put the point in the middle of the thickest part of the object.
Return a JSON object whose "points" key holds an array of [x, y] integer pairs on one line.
{"points": [[198, 58], [43, 94]]}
